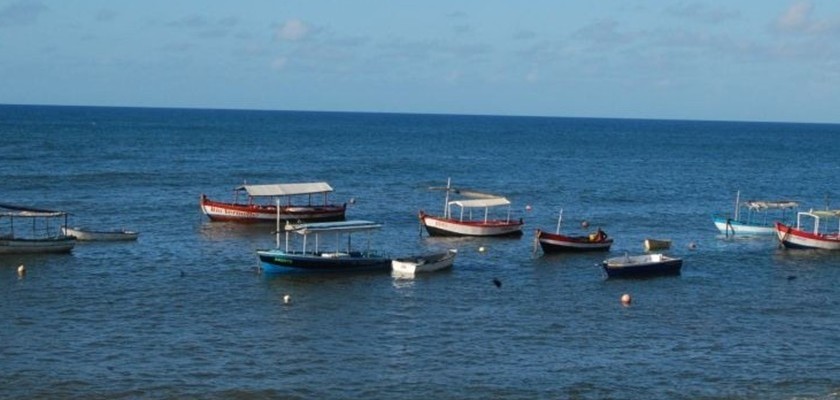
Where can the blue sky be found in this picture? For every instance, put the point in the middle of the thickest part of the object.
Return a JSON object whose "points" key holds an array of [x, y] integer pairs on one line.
{"points": [[753, 60]]}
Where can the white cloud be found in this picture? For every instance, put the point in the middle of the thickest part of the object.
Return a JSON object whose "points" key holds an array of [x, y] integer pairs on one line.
{"points": [[293, 30], [796, 17], [279, 63], [532, 76]]}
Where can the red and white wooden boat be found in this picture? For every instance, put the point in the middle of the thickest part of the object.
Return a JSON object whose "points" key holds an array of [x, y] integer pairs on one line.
{"points": [[557, 243], [808, 234], [468, 225], [258, 206]]}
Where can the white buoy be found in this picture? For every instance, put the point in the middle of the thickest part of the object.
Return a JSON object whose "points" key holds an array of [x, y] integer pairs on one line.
{"points": [[481, 249], [352, 200], [528, 207], [21, 271], [584, 224], [626, 299], [692, 246], [287, 299]]}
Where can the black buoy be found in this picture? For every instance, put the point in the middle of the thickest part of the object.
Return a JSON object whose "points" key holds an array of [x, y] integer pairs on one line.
{"points": [[497, 282]]}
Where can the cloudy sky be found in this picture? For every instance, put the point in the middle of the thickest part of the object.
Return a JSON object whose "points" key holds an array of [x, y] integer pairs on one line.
{"points": [[754, 60]]}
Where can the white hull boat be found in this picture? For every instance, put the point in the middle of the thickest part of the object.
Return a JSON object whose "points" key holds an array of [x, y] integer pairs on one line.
{"points": [[103, 236], [424, 263], [808, 232]]}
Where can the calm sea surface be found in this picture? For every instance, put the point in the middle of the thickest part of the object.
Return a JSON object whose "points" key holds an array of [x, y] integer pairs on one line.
{"points": [[184, 311]]}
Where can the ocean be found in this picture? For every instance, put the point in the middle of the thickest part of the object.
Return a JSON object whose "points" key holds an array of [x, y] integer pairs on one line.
{"points": [[184, 312]]}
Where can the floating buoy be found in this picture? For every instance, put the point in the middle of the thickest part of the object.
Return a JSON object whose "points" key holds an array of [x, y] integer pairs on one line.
{"points": [[352, 200], [626, 299], [584, 224], [21, 271], [497, 282], [287, 299], [528, 207], [481, 249], [692, 246]]}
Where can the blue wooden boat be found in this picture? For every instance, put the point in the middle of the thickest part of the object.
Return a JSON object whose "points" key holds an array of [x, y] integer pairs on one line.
{"points": [[754, 217], [642, 265], [324, 247]]}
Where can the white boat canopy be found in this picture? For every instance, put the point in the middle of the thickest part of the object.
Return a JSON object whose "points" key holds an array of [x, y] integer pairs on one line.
{"points": [[825, 213], [481, 203], [286, 189], [765, 205], [341, 226], [8, 210]]}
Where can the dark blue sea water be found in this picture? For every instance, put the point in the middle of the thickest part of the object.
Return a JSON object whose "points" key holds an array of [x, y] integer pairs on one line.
{"points": [[185, 313]]}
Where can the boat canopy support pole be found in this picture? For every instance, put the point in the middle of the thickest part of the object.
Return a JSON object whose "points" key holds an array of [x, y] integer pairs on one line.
{"points": [[559, 219], [277, 229]]}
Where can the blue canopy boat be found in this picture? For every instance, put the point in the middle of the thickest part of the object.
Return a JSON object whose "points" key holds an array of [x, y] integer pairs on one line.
{"points": [[325, 246]]}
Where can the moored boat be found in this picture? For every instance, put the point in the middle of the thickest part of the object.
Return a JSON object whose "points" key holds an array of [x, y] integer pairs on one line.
{"points": [[258, 206], [810, 231], [657, 244], [424, 263], [40, 235], [467, 225], [558, 243], [642, 265], [324, 247], [82, 234], [759, 219]]}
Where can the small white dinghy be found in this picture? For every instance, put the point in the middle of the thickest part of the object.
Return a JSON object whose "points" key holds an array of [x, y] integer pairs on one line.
{"points": [[424, 263], [103, 236]]}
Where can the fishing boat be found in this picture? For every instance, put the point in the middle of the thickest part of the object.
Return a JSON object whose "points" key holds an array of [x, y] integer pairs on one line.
{"points": [[558, 243], [759, 219], [424, 263], [325, 247], [37, 231], [82, 234], [468, 225], [810, 231], [264, 203], [657, 244], [642, 265]]}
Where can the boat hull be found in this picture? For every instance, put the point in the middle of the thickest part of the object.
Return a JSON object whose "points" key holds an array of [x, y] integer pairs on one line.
{"points": [[436, 226], [106, 236], [729, 226], [554, 243], [256, 213], [793, 238], [37, 246], [425, 263], [642, 266], [278, 262], [657, 244]]}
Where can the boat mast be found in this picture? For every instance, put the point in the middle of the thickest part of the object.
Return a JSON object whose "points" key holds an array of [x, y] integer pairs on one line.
{"points": [[559, 219], [446, 211], [277, 229], [737, 204]]}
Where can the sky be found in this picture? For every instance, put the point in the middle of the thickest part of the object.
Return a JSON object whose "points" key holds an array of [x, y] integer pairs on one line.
{"points": [[747, 60]]}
